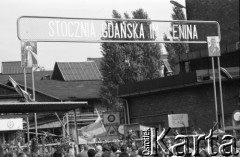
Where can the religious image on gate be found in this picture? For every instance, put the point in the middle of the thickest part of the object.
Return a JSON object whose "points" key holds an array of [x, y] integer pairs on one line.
{"points": [[213, 46], [29, 54]]}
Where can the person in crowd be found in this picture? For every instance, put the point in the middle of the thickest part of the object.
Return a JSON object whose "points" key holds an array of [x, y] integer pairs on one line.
{"points": [[140, 152], [26, 150], [56, 154], [22, 155], [202, 151], [106, 150], [84, 152], [91, 153], [123, 151], [98, 151], [129, 150], [8, 154], [133, 153], [114, 149], [68, 155], [169, 149]]}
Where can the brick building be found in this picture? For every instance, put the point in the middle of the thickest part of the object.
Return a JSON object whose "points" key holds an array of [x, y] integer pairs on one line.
{"points": [[226, 13], [150, 102]]}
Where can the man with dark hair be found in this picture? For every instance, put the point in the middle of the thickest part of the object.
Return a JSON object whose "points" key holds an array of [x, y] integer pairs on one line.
{"points": [[123, 151], [114, 149], [91, 153], [106, 150]]}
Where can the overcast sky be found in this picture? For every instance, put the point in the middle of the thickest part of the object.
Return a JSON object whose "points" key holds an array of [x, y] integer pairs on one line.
{"points": [[49, 53]]}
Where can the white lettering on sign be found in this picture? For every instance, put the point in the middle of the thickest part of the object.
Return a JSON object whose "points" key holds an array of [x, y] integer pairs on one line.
{"points": [[71, 29], [184, 32], [123, 30], [90, 30], [119, 30]]}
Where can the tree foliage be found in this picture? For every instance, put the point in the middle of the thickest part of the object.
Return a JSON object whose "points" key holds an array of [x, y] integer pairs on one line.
{"points": [[128, 62], [175, 49]]}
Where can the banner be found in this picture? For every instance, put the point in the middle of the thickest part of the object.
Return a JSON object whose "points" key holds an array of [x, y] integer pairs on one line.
{"points": [[94, 129], [11, 124], [20, 91]]}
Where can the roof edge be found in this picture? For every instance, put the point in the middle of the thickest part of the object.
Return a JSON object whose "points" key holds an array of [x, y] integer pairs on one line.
{"points": [[174, 87]]}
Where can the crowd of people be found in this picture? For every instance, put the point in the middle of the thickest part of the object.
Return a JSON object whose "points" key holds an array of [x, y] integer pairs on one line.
{"points": [[109, 149], [104, 150]]}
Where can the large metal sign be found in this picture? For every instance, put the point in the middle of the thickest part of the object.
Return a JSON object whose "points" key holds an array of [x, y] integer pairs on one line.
{"points": [[178, 120], [56, 29], [111, 118]]}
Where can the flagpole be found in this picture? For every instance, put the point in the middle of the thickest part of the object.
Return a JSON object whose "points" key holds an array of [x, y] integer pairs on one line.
{"points": [[35, 114], [214, 89], [75, 122], [68, 129], [25, 88]]}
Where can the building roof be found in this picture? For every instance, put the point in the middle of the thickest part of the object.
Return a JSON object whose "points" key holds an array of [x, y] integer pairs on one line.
{"points": [[156, 84], [13, 67], [76, 71], [168, 83], [60, 90]]}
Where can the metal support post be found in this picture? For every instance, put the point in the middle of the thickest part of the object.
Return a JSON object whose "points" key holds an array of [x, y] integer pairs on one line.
{"points": [[75, 121], [215, 93], [28, 135], [35, 114], [25, 88], [68, 129], [220, 91]]}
